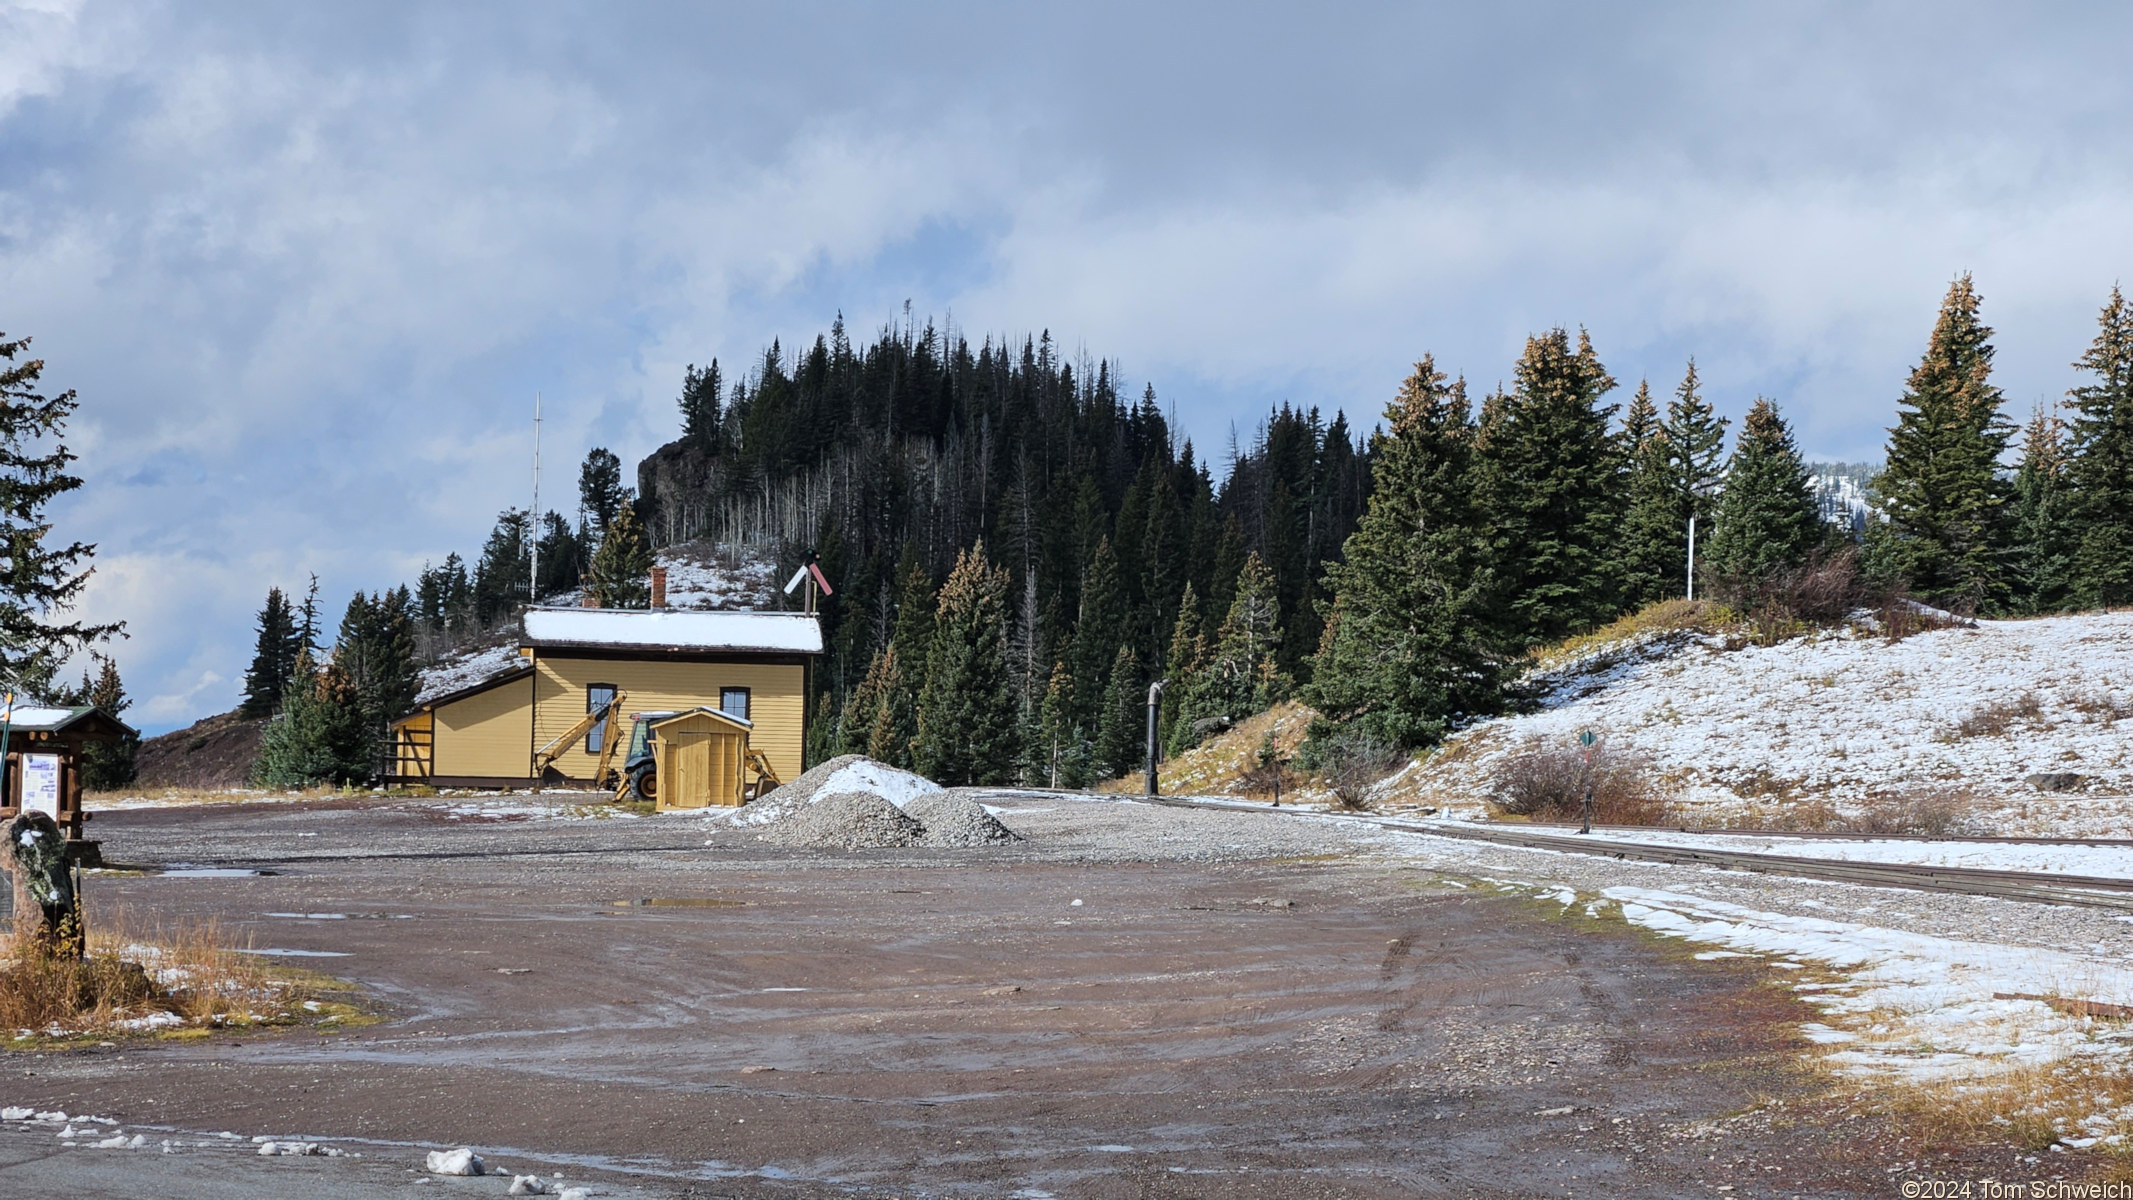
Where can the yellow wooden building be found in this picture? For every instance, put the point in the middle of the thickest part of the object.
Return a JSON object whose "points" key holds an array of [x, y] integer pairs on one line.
{"points": [[752, 665]]}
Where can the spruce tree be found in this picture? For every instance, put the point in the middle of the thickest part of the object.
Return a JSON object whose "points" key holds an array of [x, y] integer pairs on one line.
{"points": [[1409, 643], [1241, 674], [39, 580], [305, 639], [1651, 537], [1767, 520], [500, 585], [1696, 448], [1121, 723], [2040, 570], [2100, 466], [1941, 497], [600, 491], [1059, 757], [621, 571], [318, 736], [1187, 644], [966, 714], [861, 704], [1551, 478], [1098, 628], [700, 416], [273, 658], [114, 764], [913, 632], [892, 729]]}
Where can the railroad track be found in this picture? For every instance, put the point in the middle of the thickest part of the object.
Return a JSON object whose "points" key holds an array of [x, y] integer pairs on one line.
{"points": [[2033, 887]]}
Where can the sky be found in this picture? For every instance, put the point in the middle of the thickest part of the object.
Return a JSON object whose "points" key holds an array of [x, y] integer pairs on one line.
{"points": [[309, 266]]}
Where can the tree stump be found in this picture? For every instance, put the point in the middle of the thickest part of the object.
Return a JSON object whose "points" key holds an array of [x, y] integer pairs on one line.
{"points": [[47, 909]]}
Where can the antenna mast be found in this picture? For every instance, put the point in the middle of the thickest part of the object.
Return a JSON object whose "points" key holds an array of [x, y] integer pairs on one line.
{"points": [[533, 519]]}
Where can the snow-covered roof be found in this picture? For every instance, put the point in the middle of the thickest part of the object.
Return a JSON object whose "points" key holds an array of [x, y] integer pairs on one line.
{"points": [[666, 629], [48, 718], [470, 672]]}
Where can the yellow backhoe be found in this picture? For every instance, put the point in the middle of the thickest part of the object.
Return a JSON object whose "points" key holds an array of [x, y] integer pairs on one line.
{"points": [[610, 737]]}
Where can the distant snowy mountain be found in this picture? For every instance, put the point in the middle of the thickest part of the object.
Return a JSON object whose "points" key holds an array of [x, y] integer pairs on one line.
{"points": [[1841, 490]]}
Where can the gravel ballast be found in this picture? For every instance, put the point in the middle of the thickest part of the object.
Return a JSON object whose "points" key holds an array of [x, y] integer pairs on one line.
{"points": [[845, 821], [955, 819]]}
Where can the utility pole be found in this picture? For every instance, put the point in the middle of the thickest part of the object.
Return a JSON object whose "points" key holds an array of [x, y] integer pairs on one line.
{"points": [[533, 520]]}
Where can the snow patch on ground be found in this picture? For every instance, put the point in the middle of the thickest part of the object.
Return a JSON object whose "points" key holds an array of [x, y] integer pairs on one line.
{"points": [[703, 576], [2107, 862], [1906, 1005], [1842, 717]]}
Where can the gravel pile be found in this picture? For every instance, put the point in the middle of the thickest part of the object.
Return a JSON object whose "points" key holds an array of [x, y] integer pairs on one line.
{"points": [[845, 821], [955, 819]]}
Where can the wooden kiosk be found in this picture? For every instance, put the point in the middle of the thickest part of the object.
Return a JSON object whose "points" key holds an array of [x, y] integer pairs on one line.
{"points": [[43, 770]]}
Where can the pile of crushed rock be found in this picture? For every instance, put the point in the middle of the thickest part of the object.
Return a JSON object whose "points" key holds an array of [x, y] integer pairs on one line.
{"points": [[852, 802]]}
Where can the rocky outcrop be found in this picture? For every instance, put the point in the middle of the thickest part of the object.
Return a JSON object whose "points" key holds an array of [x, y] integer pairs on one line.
{"points": [[672, 483]]}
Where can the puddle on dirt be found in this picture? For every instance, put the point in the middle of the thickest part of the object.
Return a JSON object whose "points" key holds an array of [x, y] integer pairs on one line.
{"points": [[679, 902], [279, 952], [181, 871]]}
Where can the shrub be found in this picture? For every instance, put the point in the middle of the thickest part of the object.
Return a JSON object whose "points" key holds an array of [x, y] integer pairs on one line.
{"points": [[1352, 761], [1550, 782], [1994, 719], [1934, 810]]}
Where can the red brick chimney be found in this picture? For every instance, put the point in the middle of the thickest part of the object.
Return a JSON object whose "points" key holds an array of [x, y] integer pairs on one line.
{"points": [[659, 587]]}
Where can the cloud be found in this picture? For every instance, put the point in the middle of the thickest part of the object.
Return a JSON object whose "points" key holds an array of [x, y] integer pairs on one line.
{"points": [[308, 267]]}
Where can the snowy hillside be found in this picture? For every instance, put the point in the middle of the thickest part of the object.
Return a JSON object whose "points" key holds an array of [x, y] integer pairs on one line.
{"points": [[699, 576], [2026, 725]]}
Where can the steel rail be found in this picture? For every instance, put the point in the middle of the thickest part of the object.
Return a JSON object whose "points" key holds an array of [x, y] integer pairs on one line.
{"points": [[2033, 887]]}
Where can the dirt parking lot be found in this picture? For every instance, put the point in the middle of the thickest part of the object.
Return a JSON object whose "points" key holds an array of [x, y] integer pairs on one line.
{"points": [[1135, 1002]]}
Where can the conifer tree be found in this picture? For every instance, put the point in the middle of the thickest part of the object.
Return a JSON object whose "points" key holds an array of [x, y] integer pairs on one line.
{"points": [[856, 721], [1058, 758], [1187, 644], [1121, 725], [1099, 627], [1241, 674], [966, 714], [913, 632], [308, 628], [2100, 466], [622, 567], [892, 727], [500, 584], [39, 580], [1651, 560], [1696, 448], [376, 653], [273, 658], [1408, 643], [1551, 478], [1767, 520], [318, 736], [700, 415], [114, 764], [2040, 571], [1942, 500], [600, 491]]}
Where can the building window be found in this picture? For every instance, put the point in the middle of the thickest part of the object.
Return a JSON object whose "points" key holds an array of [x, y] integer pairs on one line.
{"points": [[597, 697], [733, 702]]}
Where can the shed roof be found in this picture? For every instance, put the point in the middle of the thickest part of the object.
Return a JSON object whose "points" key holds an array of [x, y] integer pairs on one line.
{"points": [[85, 720], [671, 630], [700, 712]]}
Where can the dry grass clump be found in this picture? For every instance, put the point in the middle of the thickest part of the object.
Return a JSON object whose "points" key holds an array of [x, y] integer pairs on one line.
{"points": [[1997, 718], [171, 978], [1550, 782], [1664, 616], [1817, 594], [2101, 707], [1221, 764], [1927, 810], [2028, 1107]]}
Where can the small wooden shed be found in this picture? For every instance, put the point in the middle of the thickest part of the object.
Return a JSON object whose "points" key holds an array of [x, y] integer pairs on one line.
{"points": [[702, 755], [43, 767]]}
